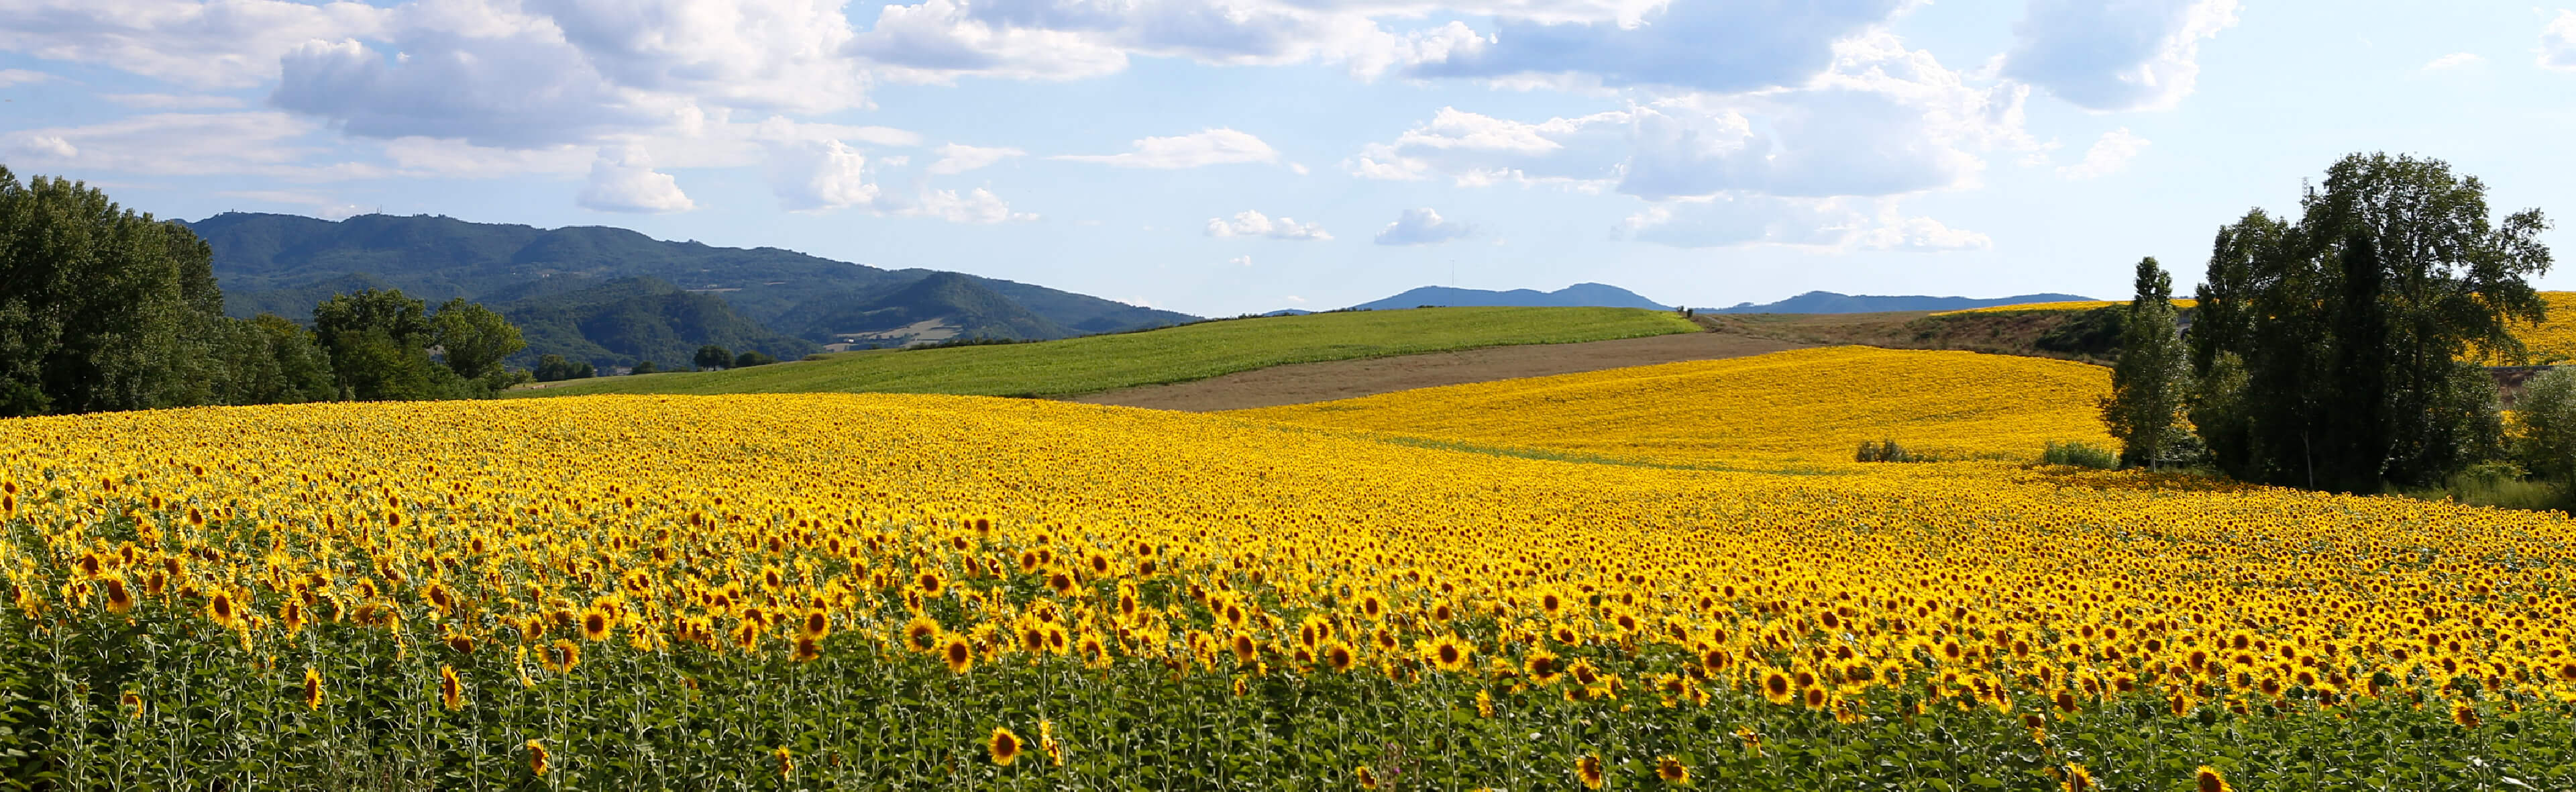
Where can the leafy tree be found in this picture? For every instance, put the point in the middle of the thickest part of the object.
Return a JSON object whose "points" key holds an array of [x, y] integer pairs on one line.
{"points": [[750, 358], [2152, 376], [379, 340], [712, 357], [2329, 347], [551, 368], [645, 367], [474, 339], [101, 308], [268, 359], [2547, 412]]}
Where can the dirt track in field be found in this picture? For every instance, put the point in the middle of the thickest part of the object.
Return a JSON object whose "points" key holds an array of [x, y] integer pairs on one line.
{"points": [[1299, 383]]}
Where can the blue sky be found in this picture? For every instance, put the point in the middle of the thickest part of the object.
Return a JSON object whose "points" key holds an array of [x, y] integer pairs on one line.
{"points": [[1247, 155]]}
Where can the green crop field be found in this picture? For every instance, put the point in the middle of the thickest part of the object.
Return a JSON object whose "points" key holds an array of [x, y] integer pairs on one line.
{"points": [[1180, 354]]}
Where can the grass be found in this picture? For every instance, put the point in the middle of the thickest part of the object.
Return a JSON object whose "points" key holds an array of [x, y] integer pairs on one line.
{"points": [[1107, 362]]}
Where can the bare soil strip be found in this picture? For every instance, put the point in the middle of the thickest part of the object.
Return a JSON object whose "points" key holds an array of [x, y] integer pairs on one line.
{"points": [[1299, 383]]}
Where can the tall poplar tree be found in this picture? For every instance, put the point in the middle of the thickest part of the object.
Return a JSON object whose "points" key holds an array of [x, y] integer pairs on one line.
{"points": [[2153, 375]]}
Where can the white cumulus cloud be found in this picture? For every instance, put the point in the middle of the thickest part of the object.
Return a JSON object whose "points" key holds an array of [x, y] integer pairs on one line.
{"points": [[1723, 47], [2454, 60], [956, 158], [622, 179], [1422, 227], [2108, 155], [2558, 42], [2136, 55], [1218, 146], [1249, 223], [977, 206], [1921, 235]]}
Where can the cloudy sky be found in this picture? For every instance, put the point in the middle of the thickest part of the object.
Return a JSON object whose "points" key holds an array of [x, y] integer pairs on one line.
{"points": [[1225, 156]]}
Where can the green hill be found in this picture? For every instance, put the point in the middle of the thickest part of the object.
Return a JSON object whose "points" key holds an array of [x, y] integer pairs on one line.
{"points": [[1097, 363], [964, 305], [631, 319], [284, 264]]}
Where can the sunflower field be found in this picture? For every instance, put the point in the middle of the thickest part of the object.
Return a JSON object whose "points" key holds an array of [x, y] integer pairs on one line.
{"points": [[941, 592]]}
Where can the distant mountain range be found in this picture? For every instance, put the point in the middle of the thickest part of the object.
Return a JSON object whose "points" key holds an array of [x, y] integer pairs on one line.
{"points": [[1825, 302], [612, 296], [1580, 294]]}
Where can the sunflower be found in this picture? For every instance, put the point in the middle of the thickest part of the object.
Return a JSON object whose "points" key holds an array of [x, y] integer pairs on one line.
{"points": [[1366, 777], [224, 610], [1671, 770], [1339, 657], [1245, 649], [1588, 770], [594, 624], [1542, 666], [959, 655], [119, 598], [536, 757], [133, 703], [1004, 746], [1776, 687], [807, 650], [1046, 742], [786, 762], [1449, 654], [2078, 779], [451, 691], [921, 634], [562, 656], [2207, 779], [2464, 715], [816, 625], [312, 688]]}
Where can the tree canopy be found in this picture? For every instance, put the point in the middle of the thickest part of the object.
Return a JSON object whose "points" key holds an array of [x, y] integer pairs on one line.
{"points": [[2329, 349]]}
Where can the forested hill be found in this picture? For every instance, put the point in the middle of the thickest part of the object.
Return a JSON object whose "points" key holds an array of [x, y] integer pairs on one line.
{"points": [[283, 264]]}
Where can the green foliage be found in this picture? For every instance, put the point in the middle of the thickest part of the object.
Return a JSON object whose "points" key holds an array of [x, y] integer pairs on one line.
{"points": [[2152, 378], [712, 357], [1097, 363], [2096, 333], [555, 368], [645, 367], [2326, 348], [473, 339], [749, 359], [1886, 451], [2547, 412], [380, 344], [2079, 454], [101, 308], [268, 359]]}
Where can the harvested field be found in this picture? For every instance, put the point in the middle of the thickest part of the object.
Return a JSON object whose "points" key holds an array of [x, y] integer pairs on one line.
{"points": [[1300, 383]]}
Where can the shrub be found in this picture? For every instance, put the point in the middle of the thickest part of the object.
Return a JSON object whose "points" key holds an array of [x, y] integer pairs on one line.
{"points": [[2080, 454], [1886, 451]]}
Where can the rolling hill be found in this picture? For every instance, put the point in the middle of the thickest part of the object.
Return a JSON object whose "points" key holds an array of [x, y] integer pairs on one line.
{"points": [[283, 264], [623, 321], [1102, 362]]}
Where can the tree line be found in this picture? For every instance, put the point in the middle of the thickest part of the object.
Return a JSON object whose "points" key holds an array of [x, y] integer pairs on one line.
{"points": [[103, 308], [2335, 351]]}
